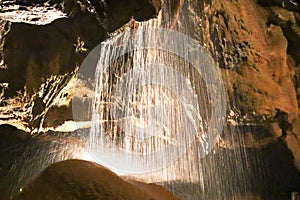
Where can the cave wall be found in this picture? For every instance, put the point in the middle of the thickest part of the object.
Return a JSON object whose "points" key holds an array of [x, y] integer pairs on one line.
{"points": [[257, 45], [32, 52], [39, 53], [255, 42], [42, 43]]}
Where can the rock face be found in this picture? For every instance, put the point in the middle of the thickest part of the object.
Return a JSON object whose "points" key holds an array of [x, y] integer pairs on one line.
{"points": [[256, 44], [253, 53], [76, 179], [48, 54], [256, 48], [57, 48]]}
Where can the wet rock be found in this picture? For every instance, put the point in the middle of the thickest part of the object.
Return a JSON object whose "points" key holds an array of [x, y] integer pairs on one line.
{"points": [[77, 179], [257, 45], [24, 156], [293, 142], [250, 136], [59, 47], [109, 13], [243, 173], [50, 39], [32, 13], [253, 55]]}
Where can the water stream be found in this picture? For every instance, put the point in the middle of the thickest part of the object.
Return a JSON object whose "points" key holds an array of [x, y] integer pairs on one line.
{"points": [[159, 104], [150, 104]]}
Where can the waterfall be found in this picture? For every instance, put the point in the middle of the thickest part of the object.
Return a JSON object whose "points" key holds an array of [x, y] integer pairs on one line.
{"points": [[159, 103]]}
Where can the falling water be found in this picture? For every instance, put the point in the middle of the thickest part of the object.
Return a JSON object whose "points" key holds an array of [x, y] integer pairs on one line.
{"points": [[159, 103], [159, 107], [147, 107], [156, 114]]}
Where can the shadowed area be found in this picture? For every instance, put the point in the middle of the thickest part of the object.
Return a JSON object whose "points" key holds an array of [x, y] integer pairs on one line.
{"points": [[248, 173]]}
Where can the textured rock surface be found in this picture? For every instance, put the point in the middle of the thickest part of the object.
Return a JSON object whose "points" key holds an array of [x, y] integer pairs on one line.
{"points": [[258, 51], [253, 53], [257, 46], [48, 55], [76, 179], [41, 45], [59, 47]]}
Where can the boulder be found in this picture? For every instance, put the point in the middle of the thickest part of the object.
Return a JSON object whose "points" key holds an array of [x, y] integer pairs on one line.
{"points": [[77, 179]]}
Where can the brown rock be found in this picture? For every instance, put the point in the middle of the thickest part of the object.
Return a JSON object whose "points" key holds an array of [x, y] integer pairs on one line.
{"points": [[76, 179], [254, 59], [249, 136], [47, 55]]}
